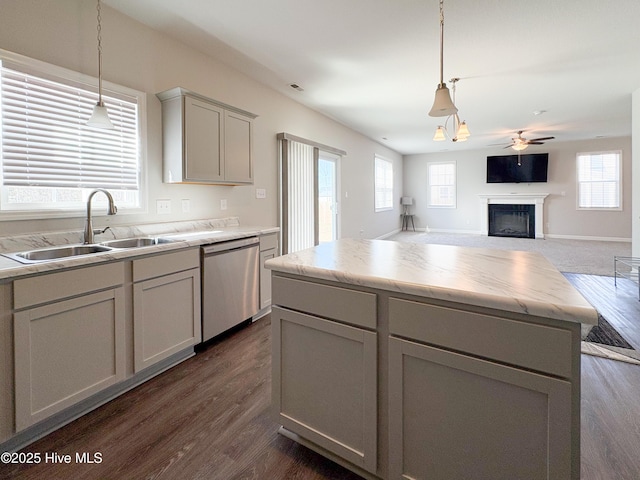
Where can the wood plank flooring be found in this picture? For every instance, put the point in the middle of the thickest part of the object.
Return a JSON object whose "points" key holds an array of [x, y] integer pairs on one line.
{"points": [[209, 417]]}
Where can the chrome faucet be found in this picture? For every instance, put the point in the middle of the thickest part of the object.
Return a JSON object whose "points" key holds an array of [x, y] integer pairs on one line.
{"points": [[88, 227]]}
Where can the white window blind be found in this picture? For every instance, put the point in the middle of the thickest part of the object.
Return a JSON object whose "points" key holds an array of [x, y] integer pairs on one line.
{"points": [[49, 156], [441, 184], [383, 191], [599, 176]]}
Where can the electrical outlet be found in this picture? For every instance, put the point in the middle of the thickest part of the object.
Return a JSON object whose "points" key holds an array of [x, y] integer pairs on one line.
{"points": [[223, 204], [186, 205], [163, 207], [261, 193]]}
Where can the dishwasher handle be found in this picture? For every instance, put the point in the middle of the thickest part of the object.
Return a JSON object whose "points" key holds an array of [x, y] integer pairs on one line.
{"points": [[231, 245]]}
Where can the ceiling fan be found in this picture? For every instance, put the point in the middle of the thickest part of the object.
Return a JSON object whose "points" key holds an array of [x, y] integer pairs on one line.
{"points": [[520, 143]]}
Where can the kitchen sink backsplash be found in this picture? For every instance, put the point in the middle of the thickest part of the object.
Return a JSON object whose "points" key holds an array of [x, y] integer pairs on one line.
{"points": [[17, 243]]}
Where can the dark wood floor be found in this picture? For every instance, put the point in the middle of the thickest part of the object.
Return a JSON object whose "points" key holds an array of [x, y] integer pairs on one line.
{"points": [[209, 418], [610, 389]]}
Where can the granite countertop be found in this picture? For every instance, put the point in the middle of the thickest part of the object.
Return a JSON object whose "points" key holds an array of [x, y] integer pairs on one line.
{"points": [[511, 281], [184, 234]]}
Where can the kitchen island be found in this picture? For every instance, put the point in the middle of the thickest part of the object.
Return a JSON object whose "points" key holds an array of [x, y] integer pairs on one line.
{"points": [[402, 360]]}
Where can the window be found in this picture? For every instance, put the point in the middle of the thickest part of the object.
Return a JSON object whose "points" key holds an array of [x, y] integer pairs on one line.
{"points": [[383, 184], [599, 175], [51, 161], [441, 184]]}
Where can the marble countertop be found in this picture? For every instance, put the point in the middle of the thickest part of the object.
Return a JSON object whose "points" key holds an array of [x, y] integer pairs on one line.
{"points": [[511, 281], [183, 234]]}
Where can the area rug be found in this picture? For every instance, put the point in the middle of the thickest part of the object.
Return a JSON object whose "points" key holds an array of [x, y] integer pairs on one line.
{"points": [[604, 341]]}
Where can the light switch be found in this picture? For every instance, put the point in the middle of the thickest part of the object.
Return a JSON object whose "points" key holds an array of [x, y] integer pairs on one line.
{"points": [[186, 205], [223, 204], [163, 207]]}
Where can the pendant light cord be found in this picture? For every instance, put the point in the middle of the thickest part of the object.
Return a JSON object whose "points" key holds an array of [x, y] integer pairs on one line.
{"points": [[99, 54], [441, 42]]}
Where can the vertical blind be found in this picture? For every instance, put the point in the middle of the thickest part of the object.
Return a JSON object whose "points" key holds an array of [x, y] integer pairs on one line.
{"points": [[301, 197], [45, 141]]}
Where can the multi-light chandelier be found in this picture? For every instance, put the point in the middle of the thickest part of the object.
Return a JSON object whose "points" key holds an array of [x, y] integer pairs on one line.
{"points": [[443, 106]]}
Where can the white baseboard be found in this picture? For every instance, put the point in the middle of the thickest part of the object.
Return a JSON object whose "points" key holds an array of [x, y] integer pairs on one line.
{"points": [[446, 230], [546, 235], [593, 239], [387, 235]]}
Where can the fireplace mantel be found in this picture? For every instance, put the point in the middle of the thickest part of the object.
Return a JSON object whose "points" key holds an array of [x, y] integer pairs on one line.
{"points": [[536, 199]]}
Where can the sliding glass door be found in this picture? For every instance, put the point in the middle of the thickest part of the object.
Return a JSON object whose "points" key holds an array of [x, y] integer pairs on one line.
{"points": [[327, 198], [309, 210]]}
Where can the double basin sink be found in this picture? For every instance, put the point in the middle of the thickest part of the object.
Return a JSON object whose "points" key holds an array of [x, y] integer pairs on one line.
{"points": [[67, 251]]}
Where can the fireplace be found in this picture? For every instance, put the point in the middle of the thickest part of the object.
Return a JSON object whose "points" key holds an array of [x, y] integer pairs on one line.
{"points": [[506, 220], [534, 200]]}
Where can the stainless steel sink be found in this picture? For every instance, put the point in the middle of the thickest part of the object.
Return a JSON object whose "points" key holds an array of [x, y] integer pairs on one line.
{"points": [[134, 242], [56, 253]]}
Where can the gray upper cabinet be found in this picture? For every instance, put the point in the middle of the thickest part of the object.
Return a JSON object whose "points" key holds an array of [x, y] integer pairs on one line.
{"points": [[205, 141]]}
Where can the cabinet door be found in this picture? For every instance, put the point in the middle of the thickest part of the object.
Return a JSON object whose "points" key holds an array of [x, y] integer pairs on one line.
{"points": [[67, 351], [204, 143], [6, 363], [454, 416], [166, 316], [237, 147], [265, 278], [324, 384]]}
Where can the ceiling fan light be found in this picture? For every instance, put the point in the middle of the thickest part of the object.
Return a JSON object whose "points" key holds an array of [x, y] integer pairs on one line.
{"points": [[463, 132], [442, 104], [439, 135], [519, 146]]}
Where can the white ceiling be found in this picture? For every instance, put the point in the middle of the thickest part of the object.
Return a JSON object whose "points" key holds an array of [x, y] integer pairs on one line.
{"points": [[373, 64]]}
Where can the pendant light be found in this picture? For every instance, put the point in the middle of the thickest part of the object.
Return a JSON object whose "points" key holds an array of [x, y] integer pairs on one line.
{"points": [[443, 106], [100, 116], [461, 129]]}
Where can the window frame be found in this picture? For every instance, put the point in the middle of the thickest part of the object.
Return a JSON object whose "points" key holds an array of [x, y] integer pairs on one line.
{"points": [[454, 185], [384, 188], [89, 83], [619, 181]]}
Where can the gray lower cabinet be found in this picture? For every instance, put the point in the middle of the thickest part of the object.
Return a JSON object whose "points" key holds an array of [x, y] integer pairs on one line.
{"points": [[268, 250], [324, 384], [461, 392], [456, 416], [69, 337], [166, 306]]}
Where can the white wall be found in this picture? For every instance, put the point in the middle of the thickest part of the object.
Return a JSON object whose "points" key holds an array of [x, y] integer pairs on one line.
{"points": [[561, 216], [62, 32]]}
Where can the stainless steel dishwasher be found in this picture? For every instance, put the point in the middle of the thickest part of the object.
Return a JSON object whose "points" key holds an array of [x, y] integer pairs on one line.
{"points": [[230, 284]]}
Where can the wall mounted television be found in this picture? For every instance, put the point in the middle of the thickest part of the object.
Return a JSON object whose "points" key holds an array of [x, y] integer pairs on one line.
{"points": [[528, 168]]}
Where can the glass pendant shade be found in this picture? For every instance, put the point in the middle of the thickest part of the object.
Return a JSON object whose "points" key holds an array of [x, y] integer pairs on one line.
{"points": [[439, 136], [519, 146], [463, 132], [442, 104], [100, 117]]}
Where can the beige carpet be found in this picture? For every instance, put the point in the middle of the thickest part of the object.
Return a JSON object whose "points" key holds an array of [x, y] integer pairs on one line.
{"points": [[570, 256]]}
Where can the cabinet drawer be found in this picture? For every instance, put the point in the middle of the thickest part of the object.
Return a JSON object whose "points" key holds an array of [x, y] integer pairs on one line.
{"points": [[491, 337], [57, 286], [165, 264], [268, 241], [349, 306]]}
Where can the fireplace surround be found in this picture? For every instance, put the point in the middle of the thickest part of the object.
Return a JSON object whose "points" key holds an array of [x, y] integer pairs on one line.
{"points": [[535, 199]]}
